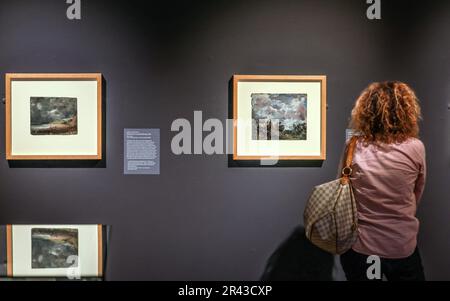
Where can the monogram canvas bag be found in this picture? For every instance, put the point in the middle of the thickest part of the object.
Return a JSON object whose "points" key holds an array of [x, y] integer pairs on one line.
{"points": [[330, 217]]}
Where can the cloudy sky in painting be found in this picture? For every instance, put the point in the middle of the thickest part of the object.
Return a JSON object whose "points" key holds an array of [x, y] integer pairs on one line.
{"points": [[288, 108], [45, 110]]}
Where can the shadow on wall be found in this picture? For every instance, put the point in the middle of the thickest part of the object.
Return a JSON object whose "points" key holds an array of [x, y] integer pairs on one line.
{"points": [[297, 259]]}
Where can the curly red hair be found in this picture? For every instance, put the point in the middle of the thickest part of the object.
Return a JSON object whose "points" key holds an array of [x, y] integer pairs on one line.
{"points": [[387, 112]]}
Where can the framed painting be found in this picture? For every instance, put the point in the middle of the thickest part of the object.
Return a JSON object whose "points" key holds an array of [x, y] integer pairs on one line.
{"points": [[54, 251], [54, 116], [279, 117]]}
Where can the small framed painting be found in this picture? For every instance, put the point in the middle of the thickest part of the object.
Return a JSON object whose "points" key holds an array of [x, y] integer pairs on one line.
{"points": [[54, 116], [54, 251], [279, 117]]}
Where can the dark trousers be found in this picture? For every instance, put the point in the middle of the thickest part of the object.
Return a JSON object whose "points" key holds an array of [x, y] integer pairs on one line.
{"points": [[406, 269]]}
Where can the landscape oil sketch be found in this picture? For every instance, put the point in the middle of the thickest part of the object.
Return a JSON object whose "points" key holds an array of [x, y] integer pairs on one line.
{"points": [[54, 116], [279, 116], [52, 248]]}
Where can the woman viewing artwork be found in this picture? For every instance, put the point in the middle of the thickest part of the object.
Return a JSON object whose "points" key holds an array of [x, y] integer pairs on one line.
{"points": [[389, 171]]}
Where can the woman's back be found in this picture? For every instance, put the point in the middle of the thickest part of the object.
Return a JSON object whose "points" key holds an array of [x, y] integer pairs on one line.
{"points": [[388, 179], [388, 182]]}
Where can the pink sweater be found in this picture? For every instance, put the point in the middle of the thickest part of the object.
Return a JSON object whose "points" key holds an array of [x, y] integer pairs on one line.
{"points": [[388, 182]]}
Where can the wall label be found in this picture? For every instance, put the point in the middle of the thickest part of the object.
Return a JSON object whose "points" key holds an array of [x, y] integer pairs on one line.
{"points": [[349, 133], [142, 151]]}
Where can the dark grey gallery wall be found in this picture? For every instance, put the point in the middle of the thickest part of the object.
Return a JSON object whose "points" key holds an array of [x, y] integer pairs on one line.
{"points": [[200, 219]]}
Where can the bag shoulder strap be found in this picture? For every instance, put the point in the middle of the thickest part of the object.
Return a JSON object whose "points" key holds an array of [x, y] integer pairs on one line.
{"points": [[347, 170], [351, 151]]}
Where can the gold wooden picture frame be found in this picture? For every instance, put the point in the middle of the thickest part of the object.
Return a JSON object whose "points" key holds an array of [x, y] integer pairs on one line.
{"points": [[54, 116], [296, 103]]}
